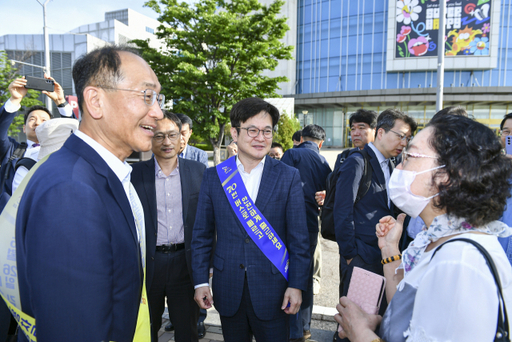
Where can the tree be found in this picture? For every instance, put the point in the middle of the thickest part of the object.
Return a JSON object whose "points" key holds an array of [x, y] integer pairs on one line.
{"points": [[7, 74], [215, 54], [285, 129]]}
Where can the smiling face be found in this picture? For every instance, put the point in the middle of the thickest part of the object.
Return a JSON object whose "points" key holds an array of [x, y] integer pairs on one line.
{"points": [[253, 148], [168, 147], [361, 134], [128, 121], [34, 119]]}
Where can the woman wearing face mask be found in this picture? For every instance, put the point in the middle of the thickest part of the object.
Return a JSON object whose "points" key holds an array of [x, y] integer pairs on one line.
{"points": [[454, 177]]}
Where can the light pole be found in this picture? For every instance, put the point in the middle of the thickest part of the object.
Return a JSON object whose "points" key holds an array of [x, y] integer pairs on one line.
{"points": [[440, 56], [304, 116], [46, 47]]}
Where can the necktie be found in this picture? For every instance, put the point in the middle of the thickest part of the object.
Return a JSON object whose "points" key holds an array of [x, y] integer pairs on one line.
{"points": [[35, 145]]}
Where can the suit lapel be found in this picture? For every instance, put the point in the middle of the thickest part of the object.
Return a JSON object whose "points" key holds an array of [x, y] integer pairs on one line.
{"points": [[374, 161], [185, 186], [148, 178], [268, 182]]}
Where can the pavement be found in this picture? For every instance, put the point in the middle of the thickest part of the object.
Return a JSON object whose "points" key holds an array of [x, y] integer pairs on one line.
{"points": [[323, 325]]}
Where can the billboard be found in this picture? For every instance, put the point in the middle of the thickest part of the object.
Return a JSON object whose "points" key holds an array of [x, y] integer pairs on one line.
{"points": [[471, 32]]}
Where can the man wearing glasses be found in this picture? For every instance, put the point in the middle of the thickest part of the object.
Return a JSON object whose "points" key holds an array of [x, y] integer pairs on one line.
{"points": [[355, 223], [506, 128], [80, 238], [254, 205], [168, 188]]}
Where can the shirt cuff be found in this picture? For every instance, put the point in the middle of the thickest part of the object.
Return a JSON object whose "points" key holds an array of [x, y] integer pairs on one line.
{"points": [[66, 111], [10, 107], [201, 285]]}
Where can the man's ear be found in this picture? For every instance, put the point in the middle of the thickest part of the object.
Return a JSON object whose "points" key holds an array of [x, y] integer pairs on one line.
{"points": [[234, 133], [24, 129], [301, 140], [94, 102], [320, 144]]}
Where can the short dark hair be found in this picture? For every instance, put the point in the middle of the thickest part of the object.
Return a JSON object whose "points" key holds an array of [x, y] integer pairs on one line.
{"points": [[100, 67], [366, 116], [478, 193], [296, 136], [33, 108], [505, 118], [173, 117], [450, 111], [247, 108], [274, 144], [314, 132], [185, 120], [387, 118]]}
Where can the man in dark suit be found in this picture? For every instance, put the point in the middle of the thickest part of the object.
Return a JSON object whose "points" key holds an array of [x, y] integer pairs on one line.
{"points": [[168, 188], [314, 170], [191, 152], [355, 224], [81, 262], [251, 294]]}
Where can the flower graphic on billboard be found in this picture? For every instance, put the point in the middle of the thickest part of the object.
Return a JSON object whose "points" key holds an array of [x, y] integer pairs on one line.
{"points": [[418, 46], [404, 32], [479, 46], [407, 11]]}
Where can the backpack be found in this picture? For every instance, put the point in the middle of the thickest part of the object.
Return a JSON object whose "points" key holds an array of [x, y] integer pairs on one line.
{"points": [[327, 213]]}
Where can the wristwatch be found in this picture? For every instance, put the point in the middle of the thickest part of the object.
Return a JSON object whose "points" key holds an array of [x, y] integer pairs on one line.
{"points": [[63, 104]]}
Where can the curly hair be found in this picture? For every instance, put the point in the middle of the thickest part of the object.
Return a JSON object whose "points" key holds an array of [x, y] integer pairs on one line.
{"points": [[478, 173]]}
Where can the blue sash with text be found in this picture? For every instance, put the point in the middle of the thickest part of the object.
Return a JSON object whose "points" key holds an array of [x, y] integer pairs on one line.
{"points": [[253, 221]]}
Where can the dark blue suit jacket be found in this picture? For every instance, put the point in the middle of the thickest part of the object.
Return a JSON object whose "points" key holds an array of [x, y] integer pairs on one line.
{"points": [[314, 170], [79, 262], [143, 179], [281, 201], [194, 153], [355, 225]]}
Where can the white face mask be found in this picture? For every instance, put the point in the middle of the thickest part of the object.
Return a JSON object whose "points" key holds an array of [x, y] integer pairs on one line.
{"points": [[401, 195]]}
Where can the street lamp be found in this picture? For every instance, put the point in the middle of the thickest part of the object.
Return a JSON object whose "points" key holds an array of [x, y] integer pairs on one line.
{"points": [[46, 46], [32, 65], [305, 115]]}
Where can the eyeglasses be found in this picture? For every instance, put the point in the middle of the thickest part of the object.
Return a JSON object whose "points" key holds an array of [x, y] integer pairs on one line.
{"points": [[160, 137], [150, 96], [253, 132], [406, 155], [505, 133], [402, 136]]}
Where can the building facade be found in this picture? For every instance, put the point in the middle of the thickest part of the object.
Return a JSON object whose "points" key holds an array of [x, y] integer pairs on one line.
{"points": [[377, 54]]}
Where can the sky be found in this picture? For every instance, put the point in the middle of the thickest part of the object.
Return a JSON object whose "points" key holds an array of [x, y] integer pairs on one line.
{"points": [[26, 16]]}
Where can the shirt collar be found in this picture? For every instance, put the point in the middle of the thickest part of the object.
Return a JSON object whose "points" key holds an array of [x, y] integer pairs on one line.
{"points": [[158, 168], [184, 150], [121, 169], [309, 145], [240, 166], [30, 143], [380, 156]]}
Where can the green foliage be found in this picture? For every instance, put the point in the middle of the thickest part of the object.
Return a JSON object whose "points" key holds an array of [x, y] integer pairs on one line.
{"points": [[286, 126], [7, 75], [215, 53]]}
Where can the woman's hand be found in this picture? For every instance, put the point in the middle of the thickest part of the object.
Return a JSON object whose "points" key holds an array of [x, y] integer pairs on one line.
{"points": [[389, 231], [355, 324]]}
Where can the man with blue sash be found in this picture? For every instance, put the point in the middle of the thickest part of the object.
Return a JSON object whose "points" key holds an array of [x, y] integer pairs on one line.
{"points": [[254, 206]]}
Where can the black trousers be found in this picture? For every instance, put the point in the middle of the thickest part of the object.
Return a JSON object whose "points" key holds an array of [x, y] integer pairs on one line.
{"points": [[346, 274], [244, 324], [171, 279]]}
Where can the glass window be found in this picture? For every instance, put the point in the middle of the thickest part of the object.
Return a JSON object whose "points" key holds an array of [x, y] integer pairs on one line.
{"points": [[481, 112], [498, 112]]}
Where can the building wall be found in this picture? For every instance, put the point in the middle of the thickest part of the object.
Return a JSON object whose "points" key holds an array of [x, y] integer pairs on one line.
{"points": [[286, 67], [342, 46]]}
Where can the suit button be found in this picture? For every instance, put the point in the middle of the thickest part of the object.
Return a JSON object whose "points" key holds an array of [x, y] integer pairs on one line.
{"points": [[242, 266], [247, 240]]}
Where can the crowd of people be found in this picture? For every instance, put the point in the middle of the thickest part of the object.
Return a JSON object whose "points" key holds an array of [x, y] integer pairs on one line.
{"points": [[101, 246]]}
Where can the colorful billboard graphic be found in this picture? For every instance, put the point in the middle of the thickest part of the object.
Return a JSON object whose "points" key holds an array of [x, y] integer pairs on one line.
{"points": [[468, 26]]}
